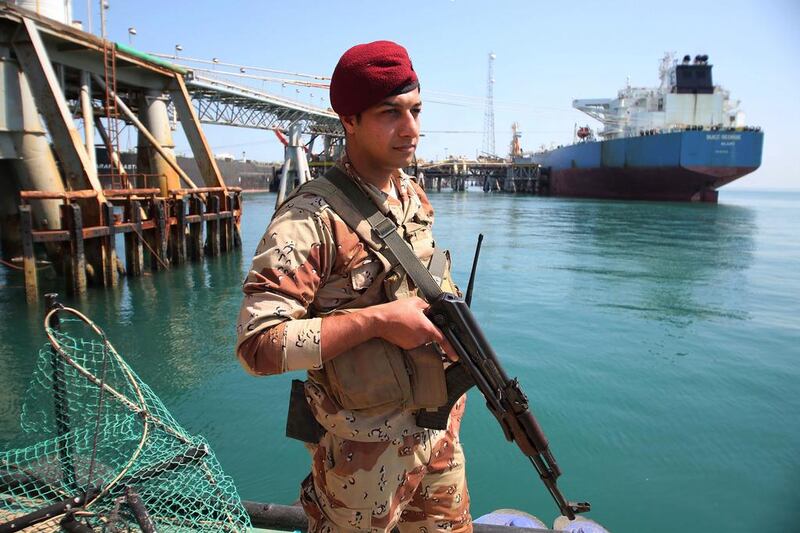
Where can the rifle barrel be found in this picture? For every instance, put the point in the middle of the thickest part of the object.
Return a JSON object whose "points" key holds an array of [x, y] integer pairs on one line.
{"points": [[470, 285]]}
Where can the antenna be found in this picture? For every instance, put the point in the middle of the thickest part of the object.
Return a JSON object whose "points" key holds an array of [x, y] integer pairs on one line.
{"points": [[488, 117]]}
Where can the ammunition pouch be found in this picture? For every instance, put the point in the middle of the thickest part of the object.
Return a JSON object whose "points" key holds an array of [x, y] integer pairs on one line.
{"points": [[372, 374], [378, 374], [426, 373], [300, 421]]}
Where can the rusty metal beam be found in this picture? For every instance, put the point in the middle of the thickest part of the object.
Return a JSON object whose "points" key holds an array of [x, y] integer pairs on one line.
{"points": [[201, 150], [131, 116], [35, 63]]}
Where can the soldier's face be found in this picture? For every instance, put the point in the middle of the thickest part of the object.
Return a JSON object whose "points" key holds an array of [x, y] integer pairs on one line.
{"points": [[388, 132]]}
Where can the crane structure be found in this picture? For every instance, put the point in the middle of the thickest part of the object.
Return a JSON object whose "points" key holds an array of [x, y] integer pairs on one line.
{"points": [[488, 117]]}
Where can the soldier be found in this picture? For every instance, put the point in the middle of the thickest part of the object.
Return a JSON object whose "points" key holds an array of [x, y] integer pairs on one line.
{"points": [[320, 297]]}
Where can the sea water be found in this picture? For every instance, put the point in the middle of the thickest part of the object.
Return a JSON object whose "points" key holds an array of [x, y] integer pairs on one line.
{"points": [[658, 344]]}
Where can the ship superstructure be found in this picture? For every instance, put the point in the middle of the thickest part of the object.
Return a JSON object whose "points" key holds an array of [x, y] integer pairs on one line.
{"points": [[681, 140], [685, 98]]}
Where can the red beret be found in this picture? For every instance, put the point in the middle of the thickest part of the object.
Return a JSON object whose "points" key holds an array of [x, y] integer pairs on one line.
{"points": [[368, 73]]}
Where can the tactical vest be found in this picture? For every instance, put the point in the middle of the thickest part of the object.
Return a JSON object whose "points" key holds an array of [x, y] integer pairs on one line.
{"points": [[378, 376]]}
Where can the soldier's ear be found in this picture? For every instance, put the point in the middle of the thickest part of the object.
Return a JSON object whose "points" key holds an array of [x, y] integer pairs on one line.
{"points": [[349, 123]]}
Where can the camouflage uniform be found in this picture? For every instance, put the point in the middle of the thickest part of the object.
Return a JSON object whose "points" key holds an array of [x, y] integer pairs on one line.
{"points": [[374, 467]]}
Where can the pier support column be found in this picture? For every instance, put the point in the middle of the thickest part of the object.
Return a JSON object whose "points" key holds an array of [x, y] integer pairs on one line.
{"points": [[196, 229], [283, 184], [326, 147], [134, 250], [110, 275], [212, 226], [154, 116], [237, 206], [28, 161], [294, 159], [10, 242], [73, 222], [158, 259], [228, 224], [88, 119], [28, 256], [299, 153], [178, 237]]}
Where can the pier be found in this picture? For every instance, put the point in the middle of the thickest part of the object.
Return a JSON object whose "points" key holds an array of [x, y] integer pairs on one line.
{"points": [[61, 208], [489, 175], [66, 197]]}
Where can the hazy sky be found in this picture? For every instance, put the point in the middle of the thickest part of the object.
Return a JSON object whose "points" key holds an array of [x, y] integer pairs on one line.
{"points": [[548, 53]]}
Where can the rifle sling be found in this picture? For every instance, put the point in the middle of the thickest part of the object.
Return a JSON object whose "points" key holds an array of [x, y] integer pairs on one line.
{"points": [[396, 249]]}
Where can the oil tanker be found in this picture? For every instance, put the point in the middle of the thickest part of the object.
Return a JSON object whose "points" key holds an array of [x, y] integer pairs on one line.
{"points": [[680, 141]]}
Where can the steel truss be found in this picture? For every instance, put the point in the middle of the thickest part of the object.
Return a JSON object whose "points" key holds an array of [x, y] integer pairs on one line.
{"points": [[219, 102]]}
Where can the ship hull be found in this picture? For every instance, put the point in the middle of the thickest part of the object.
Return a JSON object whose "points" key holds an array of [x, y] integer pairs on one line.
{"points": [[677, 166]]}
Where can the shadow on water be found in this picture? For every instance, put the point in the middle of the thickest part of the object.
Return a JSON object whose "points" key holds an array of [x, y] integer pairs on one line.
{"points": [[663, 260]]}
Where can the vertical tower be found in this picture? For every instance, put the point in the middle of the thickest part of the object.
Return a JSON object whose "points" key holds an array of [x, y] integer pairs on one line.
{"points": [[488, 117], [516, 147]]}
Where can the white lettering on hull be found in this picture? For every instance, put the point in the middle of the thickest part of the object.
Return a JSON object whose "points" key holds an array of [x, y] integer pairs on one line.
{"points": [[723, 137]]}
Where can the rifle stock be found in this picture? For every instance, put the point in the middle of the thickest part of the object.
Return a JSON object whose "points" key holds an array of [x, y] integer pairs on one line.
{"points": [[478, 365]]}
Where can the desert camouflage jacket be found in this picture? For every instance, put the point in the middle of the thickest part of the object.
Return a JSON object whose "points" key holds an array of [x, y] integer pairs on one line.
{"points": [[308, 264]]}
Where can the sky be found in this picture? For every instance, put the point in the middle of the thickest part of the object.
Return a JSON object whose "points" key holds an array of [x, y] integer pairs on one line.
{"points": [[547, 54]]}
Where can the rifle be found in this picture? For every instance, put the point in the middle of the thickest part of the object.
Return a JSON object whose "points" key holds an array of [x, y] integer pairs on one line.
{"points": [[477, 365]]}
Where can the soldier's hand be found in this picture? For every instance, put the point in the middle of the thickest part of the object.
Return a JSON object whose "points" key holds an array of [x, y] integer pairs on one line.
{"points": [[404, 323]]}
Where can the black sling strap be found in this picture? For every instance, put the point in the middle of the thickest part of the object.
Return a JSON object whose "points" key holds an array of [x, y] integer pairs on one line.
{"points": [[396, 248]]}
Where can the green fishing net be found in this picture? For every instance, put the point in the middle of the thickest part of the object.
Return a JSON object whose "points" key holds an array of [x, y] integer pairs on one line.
{"points": [[109, 456]]}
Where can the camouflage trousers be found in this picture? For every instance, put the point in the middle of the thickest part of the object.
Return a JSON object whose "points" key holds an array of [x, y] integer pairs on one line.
{"points": [[416, 483]]}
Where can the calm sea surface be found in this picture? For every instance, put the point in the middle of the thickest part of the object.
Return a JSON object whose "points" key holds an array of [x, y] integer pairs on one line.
{"points": [[659, 345]]}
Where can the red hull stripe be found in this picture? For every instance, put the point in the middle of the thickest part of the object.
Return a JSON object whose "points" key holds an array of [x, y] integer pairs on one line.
{"points": [[656, 183]]}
